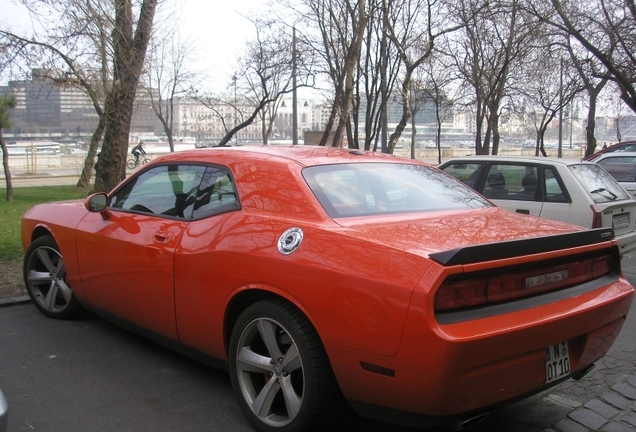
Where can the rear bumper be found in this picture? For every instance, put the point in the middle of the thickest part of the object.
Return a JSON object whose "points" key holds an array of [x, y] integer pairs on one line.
{"points": [[626, 242], [447, 372]]}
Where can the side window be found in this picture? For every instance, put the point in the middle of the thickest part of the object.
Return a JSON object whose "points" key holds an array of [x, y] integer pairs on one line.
{"points": [[466, 172], [554, 191], [626, 148], [512, 181], [622, 168], [168, 190], [217, 194]]}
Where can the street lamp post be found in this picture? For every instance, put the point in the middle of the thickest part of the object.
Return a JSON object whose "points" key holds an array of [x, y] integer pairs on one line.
{"points": [[234, 79], [294, 91]]}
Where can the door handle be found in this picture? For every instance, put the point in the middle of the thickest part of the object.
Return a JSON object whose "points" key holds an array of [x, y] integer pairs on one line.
{"points": [[163, 237], [523, 211]]}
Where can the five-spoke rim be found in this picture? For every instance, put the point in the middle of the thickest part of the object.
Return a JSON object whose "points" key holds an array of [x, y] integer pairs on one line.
{"points": [[46, 276], [270, 372]]}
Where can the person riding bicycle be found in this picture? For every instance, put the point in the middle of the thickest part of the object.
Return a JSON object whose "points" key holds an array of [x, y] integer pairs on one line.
{"points": [[137, 150]]}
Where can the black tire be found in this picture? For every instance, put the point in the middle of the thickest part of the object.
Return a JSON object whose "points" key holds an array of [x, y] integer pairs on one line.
{"points": [[145, 160], [131, 164], [286, 383], [45, 280]]}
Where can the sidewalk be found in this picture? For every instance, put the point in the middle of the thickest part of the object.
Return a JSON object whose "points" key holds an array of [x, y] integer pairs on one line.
{"points": [[43, 177]]}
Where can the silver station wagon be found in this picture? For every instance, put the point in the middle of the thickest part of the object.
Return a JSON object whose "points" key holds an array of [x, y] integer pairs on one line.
{"points": [[581, 193]]}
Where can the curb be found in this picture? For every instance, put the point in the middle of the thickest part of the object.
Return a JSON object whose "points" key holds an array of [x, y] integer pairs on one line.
{"points": [[14, 301]]}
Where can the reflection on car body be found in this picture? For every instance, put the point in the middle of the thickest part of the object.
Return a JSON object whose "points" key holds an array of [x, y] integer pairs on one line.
{"points": [[320, 275]]}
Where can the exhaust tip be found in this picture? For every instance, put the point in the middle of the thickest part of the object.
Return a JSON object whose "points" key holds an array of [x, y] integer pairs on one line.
{"points": [[579, 375], [469, 421]]}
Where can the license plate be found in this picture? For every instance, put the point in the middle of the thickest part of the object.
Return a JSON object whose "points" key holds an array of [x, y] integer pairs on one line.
{"points": [[557, 362], [620, 220]]}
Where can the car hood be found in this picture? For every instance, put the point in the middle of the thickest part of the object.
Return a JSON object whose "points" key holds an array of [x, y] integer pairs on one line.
{"points": [[441, 231]]}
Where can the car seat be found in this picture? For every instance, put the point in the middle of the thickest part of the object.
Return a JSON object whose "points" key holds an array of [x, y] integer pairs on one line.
{"points": [[497, 184], [529, 184]]}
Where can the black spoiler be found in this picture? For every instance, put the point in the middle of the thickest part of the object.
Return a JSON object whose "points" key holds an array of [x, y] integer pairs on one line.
{"points": [[515, 248]]}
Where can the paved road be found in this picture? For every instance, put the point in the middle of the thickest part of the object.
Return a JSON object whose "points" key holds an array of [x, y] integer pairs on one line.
{"points": [[88, 375]]}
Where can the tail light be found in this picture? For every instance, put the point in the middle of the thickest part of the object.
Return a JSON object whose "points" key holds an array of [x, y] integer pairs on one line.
{"points": [[485, 288], [597, 217]]}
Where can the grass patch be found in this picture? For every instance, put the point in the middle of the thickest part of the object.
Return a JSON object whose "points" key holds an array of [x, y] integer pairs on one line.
{"points": [[23, 199]]}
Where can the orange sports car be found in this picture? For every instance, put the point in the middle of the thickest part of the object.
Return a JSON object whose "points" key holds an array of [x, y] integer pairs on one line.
{"points": [[323, 276]]}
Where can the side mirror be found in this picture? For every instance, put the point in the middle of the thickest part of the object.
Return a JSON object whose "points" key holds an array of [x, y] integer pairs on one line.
{"points": [[97, 203]]}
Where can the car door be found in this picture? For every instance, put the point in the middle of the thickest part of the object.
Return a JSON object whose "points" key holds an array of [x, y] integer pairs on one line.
{"points": [[562, 203], [514, 187], [623, 169], [126, 260]]}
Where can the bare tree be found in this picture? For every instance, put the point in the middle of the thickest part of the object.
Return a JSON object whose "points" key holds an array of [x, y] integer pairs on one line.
{"points": [[594, 78], [434, 86], [169, 75], [264, 79], [616, 108], [496, 40], [607, 30], [130, 41], [341, 26], [413, 26], [374, 76], [6, 102], [549, 84], [76, 56], [93, 37], [592, 70]]}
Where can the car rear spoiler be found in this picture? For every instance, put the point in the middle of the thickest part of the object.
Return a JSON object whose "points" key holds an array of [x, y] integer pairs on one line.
{"points": [[515, 248]]}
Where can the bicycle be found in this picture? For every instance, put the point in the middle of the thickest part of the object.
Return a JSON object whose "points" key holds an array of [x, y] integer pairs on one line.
{"points": [[133, 162]]}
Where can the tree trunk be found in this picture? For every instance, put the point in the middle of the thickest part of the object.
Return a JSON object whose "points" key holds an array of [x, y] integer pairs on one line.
{"points": [[111, 162], [89, 163], [591, 126], [129, 54], [495, 133], [7, 170]]}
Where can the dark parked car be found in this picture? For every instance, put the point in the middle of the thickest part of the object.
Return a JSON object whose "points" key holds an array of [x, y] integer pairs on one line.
{"points": [[626, 146]]}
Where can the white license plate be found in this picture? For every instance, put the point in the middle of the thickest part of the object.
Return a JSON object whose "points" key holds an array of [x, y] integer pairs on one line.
{"points": [[557, 362], [620, 220]]}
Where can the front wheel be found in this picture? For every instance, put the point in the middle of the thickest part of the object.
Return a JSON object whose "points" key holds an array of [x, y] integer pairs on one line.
{"points": [[280, 372], [45, 280], [145, 160]]}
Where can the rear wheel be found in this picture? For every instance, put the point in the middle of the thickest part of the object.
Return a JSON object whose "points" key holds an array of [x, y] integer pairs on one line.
{"points": [[131, 163], [280, 371], [45, 280]]}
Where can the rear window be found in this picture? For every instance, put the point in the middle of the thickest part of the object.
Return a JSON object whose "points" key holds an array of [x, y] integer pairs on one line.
{"points": [[598, 183], [346, 190]]}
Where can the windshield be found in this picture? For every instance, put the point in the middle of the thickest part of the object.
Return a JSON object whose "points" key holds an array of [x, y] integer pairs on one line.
{"points": [[598, 183], [358, 189]]}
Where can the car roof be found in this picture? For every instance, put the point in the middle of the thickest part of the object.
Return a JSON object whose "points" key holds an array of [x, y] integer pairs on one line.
{"points": [[615, 154], [525, 159], [301, 154]]}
